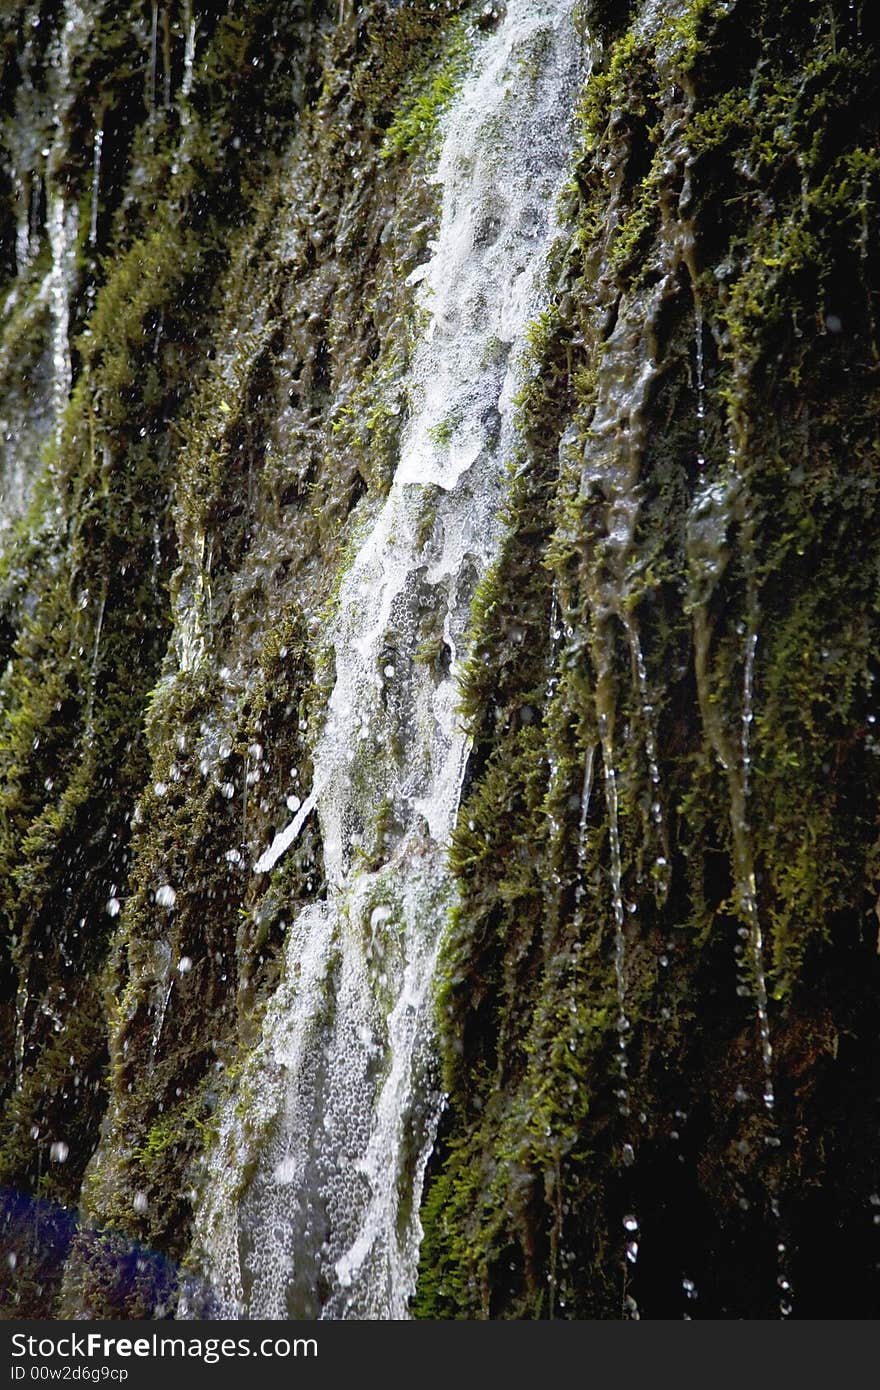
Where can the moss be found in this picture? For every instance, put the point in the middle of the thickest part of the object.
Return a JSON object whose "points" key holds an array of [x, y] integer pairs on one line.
{"points": [[291, 422], [415, 124], [691, 525], [727, 174]]}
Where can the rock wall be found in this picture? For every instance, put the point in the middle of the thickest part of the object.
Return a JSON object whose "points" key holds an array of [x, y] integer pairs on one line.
{"points": [[656, 995]]}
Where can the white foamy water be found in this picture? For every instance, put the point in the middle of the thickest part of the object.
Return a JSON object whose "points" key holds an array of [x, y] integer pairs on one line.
{"points": [[311, 1208]]}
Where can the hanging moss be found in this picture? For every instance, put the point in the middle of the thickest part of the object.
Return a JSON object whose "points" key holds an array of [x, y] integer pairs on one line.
{"points": [[671, 671], [723, 205]]}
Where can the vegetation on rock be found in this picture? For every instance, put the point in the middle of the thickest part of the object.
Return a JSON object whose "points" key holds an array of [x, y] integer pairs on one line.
{"points": [[658, 990]]}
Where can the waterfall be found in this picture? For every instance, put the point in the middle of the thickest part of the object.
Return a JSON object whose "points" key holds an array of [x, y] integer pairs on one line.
{"points": [[62, 217], [310, 1208], [35, 384]]}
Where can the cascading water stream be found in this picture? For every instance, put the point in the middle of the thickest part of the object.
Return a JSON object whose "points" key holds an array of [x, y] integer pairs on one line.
{"points": [[342, 1099], [62, 218]]}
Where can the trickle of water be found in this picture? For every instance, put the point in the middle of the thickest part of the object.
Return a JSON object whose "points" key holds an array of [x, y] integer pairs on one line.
{"points": [[712, 513], [661, 862], [96, 185], [22, 223], [62, 219], [586, 796], [748, 890], [623, 1024], [189, 49], [701, 387], [554, 642], [154, 52], [343, 1099]]}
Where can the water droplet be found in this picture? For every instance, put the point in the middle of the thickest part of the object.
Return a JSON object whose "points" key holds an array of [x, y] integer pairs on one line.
{"points": [[166, 896], [112, 907], [184, 965], [630, 1223], [58, 1151], [141, 1202]]}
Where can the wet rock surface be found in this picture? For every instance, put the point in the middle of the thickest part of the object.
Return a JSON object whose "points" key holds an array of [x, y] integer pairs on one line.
{"points": [[438, 594]]}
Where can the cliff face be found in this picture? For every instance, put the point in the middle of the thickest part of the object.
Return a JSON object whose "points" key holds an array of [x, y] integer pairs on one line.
{"points": [[437, 728]]}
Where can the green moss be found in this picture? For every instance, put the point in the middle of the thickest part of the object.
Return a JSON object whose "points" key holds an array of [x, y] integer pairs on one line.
{"points": [[414, 127], [241, 329], [723, 167]]}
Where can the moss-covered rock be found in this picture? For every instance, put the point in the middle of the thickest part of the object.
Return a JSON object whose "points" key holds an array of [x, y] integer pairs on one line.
{"points": [[657, 1001], [666, 859]]}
